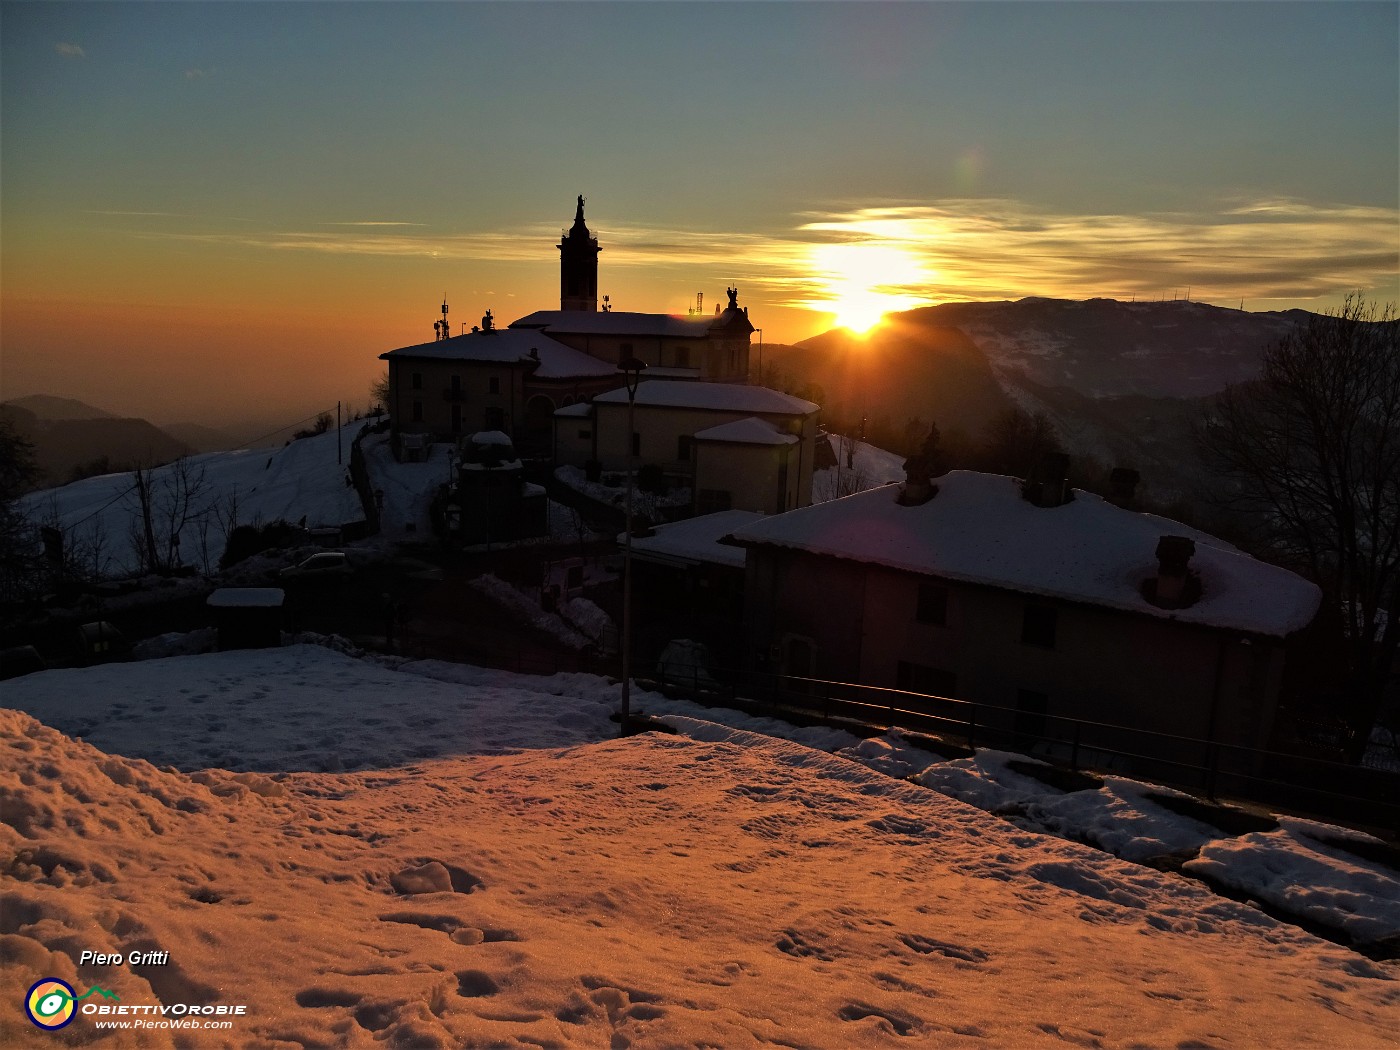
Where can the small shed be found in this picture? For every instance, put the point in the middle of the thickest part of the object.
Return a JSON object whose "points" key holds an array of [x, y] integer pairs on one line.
{"points": [[248, 617], [100, 642]]}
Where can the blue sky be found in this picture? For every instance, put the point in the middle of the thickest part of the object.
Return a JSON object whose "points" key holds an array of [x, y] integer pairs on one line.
{"points": [[223, 162]]}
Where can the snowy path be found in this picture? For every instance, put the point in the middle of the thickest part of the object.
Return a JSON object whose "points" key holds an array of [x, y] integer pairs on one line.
{"points": [[650, 892], [718, 888]]}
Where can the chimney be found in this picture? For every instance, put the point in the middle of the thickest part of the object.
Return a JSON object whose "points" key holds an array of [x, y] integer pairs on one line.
{"points": [[1048, 483], [1176, 585], [918, 487], [1122, 486]]}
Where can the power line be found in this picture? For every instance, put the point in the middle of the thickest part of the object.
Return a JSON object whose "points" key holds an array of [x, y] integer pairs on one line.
{"points": [[311, 418]]}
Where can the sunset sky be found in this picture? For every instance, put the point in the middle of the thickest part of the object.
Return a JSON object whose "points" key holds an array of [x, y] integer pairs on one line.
{"points": [[220, 211]]}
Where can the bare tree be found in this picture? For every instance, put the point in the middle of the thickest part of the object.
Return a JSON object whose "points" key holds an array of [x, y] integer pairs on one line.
{"points": [[1017, 440], [163, 504], [847, 479], [1313, 448], [379, 392]]}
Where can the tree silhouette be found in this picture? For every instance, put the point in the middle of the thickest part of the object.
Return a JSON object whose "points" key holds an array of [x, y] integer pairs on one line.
{"points": [[1017, 441], [1313, 448], [18, 473]]}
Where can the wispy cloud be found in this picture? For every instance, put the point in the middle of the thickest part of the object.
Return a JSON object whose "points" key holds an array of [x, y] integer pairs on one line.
{"points": [[950, 250], [194, 73], [373, 223], [68, 50]]}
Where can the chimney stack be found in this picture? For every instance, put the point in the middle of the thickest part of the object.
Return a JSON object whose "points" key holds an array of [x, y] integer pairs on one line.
{"points": [[1176, 585], [1048, 483]]}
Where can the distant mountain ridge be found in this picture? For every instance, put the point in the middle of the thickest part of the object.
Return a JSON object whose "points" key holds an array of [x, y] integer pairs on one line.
{"points": [[49, 408], [70, 436], [1107, 348], [1125, 383]]}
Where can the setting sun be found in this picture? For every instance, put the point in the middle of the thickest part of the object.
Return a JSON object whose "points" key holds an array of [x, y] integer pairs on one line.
{"points": [[862, 282]]}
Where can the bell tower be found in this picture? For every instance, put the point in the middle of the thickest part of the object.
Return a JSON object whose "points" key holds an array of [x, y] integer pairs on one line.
{"points": [[578, 267]]}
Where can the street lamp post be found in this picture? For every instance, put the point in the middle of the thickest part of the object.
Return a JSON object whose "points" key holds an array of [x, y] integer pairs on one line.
{"points": [[632, 369]]}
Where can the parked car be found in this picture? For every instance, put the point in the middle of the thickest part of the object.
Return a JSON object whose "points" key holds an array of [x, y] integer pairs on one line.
{"points": [[326, 565]]}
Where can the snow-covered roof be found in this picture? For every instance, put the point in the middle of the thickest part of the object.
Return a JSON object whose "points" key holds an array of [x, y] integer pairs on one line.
{"points": [[747, 431], [729, 397], [580, 410], [247, 598], [509, 346], [978, 529], [490, 437], [696, 539], [616, 322]]}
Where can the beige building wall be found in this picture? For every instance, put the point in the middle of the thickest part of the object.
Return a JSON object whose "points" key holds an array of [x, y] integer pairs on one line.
{"points": [[761, 478], [660, 429], [711, 358], [573, 440], [422, 396]]}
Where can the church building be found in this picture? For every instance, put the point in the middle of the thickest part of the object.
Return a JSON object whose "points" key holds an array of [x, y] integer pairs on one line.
{"points": [[513, 379]]}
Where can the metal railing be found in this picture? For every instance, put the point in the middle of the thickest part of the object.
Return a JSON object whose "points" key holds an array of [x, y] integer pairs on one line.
{"points": [[1217, 769]]}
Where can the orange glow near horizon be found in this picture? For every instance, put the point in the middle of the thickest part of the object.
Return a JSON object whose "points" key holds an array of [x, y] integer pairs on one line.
{"points": [[863, 281]]}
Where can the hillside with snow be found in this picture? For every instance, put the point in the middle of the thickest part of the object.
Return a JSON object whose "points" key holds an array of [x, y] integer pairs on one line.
{"points": [[301, 480], [368, 853]]}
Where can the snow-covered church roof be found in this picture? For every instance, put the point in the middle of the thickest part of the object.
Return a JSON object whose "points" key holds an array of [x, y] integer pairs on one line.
{"points": [[616, 322], [510, 346], [728, 397], [978, 529]]}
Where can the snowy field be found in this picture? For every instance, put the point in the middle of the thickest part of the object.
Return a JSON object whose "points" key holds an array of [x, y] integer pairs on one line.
{"points": [[869, 468], [435, 855]]}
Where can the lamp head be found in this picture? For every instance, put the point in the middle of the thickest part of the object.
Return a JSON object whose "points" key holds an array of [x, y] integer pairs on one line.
{"points": [[632, 368]]}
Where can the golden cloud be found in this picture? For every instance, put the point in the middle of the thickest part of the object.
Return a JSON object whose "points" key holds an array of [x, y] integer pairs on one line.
{"points": [[958, 249]]}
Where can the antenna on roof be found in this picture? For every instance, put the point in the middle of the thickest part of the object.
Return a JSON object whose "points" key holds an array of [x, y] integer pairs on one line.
{"points": [[440, 328]]}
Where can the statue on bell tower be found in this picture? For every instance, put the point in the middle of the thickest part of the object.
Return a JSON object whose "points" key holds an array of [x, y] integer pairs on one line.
{"points": [[578, 266]]}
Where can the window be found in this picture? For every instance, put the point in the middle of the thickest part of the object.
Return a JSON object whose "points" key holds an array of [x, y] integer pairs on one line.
{"points": [[456, 419], [494, 419], [493, 385], [1038, 626], [456, 385], [919, 678], [585, 434], [625, 350], [712, 500], [636, 443], [416, 380], [417, 411], [933, 604], [682, 357], [684, 447]]}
